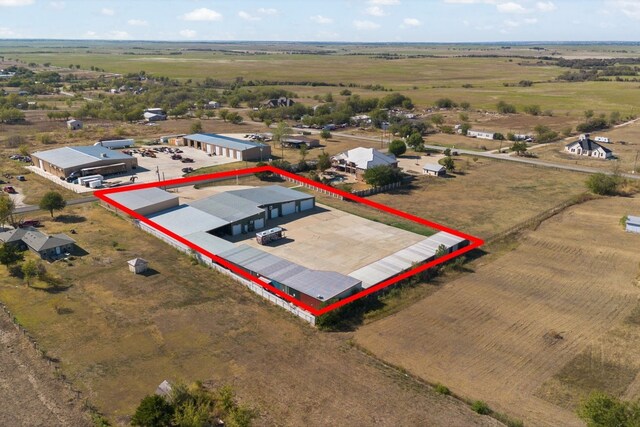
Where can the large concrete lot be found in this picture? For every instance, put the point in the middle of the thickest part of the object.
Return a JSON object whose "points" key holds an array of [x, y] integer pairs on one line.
{"points": [[323, 238], [150, 169]]}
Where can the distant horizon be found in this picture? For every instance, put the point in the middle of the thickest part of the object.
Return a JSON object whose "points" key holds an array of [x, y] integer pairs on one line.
{"points": [[323, 21], [339, 42]]}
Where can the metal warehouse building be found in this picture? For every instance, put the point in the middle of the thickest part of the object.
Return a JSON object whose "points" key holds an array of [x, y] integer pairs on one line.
{"points": [[225, 146], [146, 201], [84, 160]]}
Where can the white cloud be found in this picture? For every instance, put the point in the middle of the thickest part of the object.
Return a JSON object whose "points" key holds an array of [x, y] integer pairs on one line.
{"points": [[188, 33], [470, 1], [511, 7], [365, 25], [138, 22], [319, 19], [385, 2], [374, 11], [547, 6], [412, 22], [107, 11], [268, 11], [7, 32], [91, 34], [248, 17], [630, 8], [117, 35], [11, 3], [531, 21], [512, 24], [57, 5], [202, 14]]}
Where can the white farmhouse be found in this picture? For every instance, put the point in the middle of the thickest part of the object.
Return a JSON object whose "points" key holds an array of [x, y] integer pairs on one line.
{"points": [[585, 146]]}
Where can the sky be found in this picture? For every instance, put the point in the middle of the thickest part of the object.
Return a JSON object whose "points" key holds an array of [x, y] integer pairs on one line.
{"points": [[323, 20]]}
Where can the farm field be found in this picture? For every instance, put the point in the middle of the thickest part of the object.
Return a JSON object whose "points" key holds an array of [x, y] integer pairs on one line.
{"points": [[489, 198], [119, 335], [536, 330]]}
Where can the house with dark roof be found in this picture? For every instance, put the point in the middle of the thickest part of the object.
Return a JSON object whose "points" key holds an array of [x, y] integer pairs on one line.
{"points": [[47, 246], [587, 147], [283, 101]]}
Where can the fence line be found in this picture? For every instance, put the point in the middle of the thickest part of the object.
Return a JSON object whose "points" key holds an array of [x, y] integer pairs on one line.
{"points": [[60, 182], [376, 190], [312, 187], [248, 283]]}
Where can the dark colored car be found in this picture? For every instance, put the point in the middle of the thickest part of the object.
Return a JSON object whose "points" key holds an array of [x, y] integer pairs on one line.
{"points": [[187, 160]]}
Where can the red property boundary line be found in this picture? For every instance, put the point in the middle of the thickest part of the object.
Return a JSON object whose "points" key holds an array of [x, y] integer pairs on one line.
{"points": [[474, 242]]}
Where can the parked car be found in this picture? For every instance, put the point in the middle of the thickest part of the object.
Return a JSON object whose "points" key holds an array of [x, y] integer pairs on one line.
{"points": [[187, 160], [29, 223], [187, 170], [21, 178], [9, 189], [176, 157]]}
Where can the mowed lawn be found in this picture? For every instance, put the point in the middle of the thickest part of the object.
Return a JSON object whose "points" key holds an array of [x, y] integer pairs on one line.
{"points": [[489, 198], [533, 331], [118, 336]]}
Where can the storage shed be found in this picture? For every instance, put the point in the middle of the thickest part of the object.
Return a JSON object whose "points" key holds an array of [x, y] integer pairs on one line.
{"points": [[225, 146], [633, 224], [434, 169], [138, 265], [74, 124]]}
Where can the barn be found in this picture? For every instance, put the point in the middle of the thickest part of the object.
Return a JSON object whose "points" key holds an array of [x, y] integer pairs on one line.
{"points": [[226, 146], [83, 160]]}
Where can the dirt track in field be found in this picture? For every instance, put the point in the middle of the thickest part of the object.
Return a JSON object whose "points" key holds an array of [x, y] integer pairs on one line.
{"points": [[498, 334], [29, 393]]}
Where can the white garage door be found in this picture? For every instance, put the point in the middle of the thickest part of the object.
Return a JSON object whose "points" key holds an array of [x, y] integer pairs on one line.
{"points": [[218, 150], [274, 213], [259, 223], [238, 155], [236, 229], [306, 204], [288, 208], [209, 148]]}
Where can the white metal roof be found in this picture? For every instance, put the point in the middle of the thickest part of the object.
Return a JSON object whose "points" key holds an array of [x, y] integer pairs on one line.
{"points": [[633, 219], [223, 141], [365, 158], [404, 259], [138, 199], [69, 157], [433, 167], [184, 220], [209, 242]]}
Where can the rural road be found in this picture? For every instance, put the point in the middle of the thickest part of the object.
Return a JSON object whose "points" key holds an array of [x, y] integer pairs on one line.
{"points": [[32, 208], [73, 94], [507, 157]]}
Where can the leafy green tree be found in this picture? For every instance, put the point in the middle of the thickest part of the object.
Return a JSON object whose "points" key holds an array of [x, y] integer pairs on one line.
{"points": [[520, 147], [449, 164], [281, 132], [533, 110], [52, 201], [437, 119], [223, 114], [505, 108], [603, 410], [235, 118], [382, 175], [465, 128], [196, 127], [415, 140], [445, 103], [324, 161], [397, 147], [9, 254], [7, 206], [325, 134], [30, 270], [153, 411], [603, 184]]}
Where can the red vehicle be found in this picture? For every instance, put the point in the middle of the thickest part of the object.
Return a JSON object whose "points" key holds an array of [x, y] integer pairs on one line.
{"points": [[9, 189]]}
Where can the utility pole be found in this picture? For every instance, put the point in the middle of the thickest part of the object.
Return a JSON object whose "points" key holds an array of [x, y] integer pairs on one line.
{"points": [[635, 162]]}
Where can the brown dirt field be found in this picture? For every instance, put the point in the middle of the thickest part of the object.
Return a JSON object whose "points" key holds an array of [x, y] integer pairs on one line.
{"points": [[521, 320], [628, 154], [119, 335], [489, 198], [29, 392]]}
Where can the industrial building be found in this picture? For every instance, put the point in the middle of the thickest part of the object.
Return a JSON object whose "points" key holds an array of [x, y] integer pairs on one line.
{"points": [[146, 201], [83, 160], [225, 146]]}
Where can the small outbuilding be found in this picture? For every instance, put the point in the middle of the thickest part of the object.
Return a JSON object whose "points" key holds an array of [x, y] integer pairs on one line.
{"points": [[138, 265], [74, 124], [633, 224], [434, 169]]}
